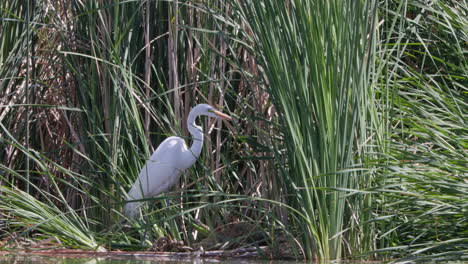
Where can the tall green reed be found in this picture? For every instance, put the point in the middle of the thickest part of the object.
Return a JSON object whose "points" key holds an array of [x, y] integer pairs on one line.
{"points": [[316, 57], [422, 73]]}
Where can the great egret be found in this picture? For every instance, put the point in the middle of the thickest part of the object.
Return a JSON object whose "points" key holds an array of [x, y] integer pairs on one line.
{"points": [[170, 159]]}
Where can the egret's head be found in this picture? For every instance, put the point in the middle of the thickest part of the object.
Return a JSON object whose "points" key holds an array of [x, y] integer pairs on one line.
{"points": [[208, 110]]}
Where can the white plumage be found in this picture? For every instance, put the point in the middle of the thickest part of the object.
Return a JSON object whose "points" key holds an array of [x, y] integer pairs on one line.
{"points": [[168, 162]]}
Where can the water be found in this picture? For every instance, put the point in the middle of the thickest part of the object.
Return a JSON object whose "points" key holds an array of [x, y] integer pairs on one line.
{"points": [[42, 259], [26, 259]]}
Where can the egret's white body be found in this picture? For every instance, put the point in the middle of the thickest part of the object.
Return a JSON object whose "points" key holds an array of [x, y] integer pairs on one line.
{"points": [[167, 163]]}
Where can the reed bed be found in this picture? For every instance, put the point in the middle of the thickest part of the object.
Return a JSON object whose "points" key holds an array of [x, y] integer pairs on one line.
{"points": [[349, 139]]}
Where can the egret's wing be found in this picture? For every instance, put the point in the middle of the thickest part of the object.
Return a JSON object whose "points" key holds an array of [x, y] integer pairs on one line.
{"points": [[161, 171], [158, 177]]}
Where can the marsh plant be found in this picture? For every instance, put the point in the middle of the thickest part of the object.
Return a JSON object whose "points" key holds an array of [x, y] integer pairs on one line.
{"points": [[349, 139]]}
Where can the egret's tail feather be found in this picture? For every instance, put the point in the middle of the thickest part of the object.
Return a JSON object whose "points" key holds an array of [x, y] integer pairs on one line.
{"points": [[132, 209]]}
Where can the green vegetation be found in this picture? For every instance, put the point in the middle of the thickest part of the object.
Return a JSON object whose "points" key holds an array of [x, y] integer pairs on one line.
{"points": [[319, 83], [423, 78], [349, 141]]}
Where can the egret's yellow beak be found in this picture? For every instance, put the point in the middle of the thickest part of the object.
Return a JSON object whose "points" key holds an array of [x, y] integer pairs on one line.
{"points": [[222, 115]]}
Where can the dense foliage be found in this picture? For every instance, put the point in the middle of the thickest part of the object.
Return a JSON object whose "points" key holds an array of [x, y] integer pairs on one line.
{"points": [[349, 139]]}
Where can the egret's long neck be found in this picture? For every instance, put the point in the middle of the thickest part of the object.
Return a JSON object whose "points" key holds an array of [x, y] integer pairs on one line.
{"points": [[197, 134]]}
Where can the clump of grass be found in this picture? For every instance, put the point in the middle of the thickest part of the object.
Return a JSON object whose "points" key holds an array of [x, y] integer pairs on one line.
{"points": [[424, 189], [316, 58], [27, 214]]}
